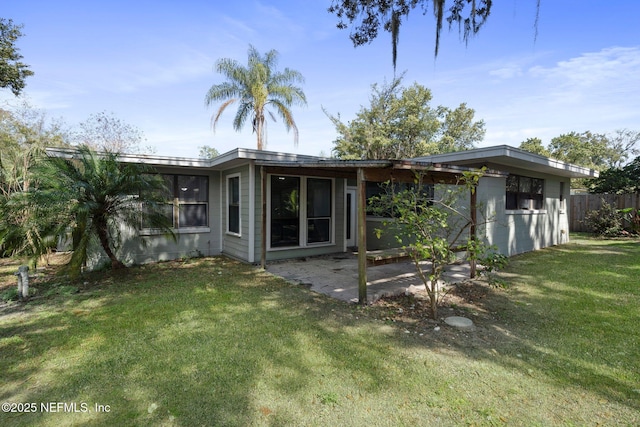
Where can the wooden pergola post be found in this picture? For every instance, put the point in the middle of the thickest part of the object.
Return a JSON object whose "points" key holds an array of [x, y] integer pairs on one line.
{"points": [[362, 237], [472, 231], [263, 227]]}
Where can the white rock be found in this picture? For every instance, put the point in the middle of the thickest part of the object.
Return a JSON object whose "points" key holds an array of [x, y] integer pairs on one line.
{"points": [[459, 322]]}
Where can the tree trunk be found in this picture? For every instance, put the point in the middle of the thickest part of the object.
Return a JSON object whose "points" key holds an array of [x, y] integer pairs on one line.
{"points": [[434, 309], [434, 290], [259, 129], [103, 236]]}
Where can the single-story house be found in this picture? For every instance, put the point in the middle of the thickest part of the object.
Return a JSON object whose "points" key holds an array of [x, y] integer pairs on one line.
{"points": [[258, 206]]}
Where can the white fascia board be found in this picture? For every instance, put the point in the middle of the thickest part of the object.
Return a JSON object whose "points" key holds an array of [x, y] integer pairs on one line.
{"points": [[215, 163], [152, 160], [515, 157]]}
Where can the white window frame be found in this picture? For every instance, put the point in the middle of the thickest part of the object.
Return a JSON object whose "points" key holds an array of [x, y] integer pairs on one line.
{"points": [[305, 227], [302, 218]]}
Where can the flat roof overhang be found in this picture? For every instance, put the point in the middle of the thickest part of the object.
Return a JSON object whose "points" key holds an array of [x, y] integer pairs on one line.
{"points": [[374, 170], [504, 155], [230, 159]]}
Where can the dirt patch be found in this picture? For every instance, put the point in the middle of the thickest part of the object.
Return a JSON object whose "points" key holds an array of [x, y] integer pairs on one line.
{"points": [[48, 267], [473, 299]]}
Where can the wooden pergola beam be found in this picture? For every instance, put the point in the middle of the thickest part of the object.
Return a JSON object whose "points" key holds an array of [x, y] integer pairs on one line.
{"points": [[316, 171], [361, 214]]}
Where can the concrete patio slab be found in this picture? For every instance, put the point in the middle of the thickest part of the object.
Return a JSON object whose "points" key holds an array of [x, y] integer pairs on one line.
{"points": [[337, 276]]}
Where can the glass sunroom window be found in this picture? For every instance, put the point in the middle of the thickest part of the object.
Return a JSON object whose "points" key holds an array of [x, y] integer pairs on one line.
{"points": [[318, 210], [285, 211]]}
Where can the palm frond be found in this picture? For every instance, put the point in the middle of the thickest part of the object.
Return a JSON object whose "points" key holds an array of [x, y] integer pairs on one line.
{"points": [[287, 95], [244, 112], [214, 119], [222, 92], [91, 195], [287, 119], [229, 68], [255, 86]]}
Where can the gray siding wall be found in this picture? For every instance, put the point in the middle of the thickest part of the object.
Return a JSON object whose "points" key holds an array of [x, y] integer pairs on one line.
{"points": [[518, 231], [234, 245], [511, 231], [257, 226], [387, 238]]}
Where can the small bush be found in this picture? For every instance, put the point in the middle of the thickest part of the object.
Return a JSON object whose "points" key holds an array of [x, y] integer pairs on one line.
{"points": [[9, 294], [606, 221], [491, 263], [632, 216]]}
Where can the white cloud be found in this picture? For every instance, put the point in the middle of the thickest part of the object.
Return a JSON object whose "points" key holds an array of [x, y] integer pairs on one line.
{"points": [[607, 78], [609, 66], [236, 29], [597, 91], [507, 72], [162, 71]]}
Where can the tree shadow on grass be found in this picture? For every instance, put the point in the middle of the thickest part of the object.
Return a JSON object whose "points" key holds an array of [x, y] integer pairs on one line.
{"points": [[194, 350], [575, 333], [214, 342]]}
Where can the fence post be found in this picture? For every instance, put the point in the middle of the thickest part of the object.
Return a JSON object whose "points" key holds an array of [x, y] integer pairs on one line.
{"points": [[23, 282]]}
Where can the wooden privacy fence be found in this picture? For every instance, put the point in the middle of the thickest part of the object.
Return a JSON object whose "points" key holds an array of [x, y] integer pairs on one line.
{"points": [[583, 203]]}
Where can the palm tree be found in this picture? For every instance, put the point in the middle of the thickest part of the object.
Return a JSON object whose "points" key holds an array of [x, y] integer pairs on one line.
{"points": [[96, 196], [255, 88]]}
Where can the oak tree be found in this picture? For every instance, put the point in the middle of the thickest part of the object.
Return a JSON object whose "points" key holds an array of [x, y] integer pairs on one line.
{"points": [[368, 17], [13, 71]]}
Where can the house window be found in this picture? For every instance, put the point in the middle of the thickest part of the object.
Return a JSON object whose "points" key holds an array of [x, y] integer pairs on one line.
{"points": [[301, 211], [377, 189], [187, 200], [318, 210], [285, 211], [524, 193], [233, 204]]}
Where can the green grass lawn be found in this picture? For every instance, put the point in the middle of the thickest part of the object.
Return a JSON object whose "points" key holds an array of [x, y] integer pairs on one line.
{"points": [[215, 342]]}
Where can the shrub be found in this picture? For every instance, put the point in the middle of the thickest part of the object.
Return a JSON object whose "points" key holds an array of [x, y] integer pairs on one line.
{"points": [[632, 216], [491, 263], [606, 221], [9, 294]]}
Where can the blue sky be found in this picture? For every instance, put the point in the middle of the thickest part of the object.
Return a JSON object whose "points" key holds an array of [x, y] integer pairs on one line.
{"points": [[150, 63]]}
